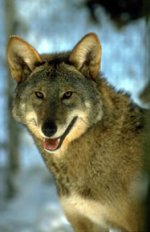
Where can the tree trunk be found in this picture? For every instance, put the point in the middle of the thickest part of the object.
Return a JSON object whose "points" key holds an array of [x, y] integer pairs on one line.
{"points": [[145, 97], [12, 128], [147, 142]]}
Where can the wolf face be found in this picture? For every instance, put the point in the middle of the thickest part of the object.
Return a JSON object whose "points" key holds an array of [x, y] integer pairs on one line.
{"points": [[56, 96]]}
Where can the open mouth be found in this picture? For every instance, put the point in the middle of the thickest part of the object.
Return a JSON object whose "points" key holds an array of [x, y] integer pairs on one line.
{"points": [[55, 143]]}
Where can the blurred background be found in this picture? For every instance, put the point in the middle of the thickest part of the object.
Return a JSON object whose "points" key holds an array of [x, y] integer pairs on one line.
{"points": [[28, 199]]}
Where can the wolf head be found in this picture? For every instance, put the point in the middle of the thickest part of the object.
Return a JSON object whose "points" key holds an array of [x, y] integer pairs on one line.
{"points": [[57, 96]]}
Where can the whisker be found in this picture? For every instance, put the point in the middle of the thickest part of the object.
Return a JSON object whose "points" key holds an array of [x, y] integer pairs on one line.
{"points": [[85, 122], [32, 122]]}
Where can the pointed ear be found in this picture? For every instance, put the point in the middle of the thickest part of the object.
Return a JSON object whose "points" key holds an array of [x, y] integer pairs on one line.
{"points": [[22, 58], [86, 55]]}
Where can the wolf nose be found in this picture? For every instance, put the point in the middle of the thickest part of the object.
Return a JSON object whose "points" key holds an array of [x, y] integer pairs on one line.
{"points": [[49, 128]]}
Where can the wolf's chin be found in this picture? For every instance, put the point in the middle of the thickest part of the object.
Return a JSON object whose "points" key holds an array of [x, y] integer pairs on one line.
{"points": [[53, 144]]}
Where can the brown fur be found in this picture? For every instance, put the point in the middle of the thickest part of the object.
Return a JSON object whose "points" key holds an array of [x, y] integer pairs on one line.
{"points": [[98, 167]]}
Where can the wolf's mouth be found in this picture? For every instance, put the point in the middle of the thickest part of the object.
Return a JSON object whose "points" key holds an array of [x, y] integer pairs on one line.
{"points": [[55, 143]]}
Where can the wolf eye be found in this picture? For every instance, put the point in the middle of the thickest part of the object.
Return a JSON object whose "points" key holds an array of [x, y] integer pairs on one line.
{"points": [[39, 95], [67, 95]]}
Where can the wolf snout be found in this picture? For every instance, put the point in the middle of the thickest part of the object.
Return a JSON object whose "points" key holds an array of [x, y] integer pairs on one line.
{"points": [[49, 128]]}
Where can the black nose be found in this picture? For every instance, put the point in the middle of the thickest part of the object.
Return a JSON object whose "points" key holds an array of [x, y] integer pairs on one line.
{"points": [[49, 128]]}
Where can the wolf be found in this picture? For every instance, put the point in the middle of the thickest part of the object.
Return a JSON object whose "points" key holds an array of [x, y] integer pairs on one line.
{"points": [[89, 135]]}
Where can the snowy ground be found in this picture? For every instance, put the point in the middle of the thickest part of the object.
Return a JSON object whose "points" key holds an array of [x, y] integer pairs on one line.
{"points": [[35, 207], [55, 26]]}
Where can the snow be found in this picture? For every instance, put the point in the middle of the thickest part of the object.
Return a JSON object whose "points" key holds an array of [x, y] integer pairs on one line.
{"points": [[35, 207], [52, 26]]}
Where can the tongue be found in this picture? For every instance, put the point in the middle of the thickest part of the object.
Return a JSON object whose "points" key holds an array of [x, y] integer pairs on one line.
{"points": [[51, 144]]}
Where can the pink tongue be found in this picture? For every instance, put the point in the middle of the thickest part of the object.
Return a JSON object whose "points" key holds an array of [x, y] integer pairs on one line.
{"points": [[51, 144]]}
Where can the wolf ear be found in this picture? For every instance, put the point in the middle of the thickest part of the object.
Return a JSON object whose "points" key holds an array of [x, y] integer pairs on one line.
{"points": [[22, 58], [86, 55]]}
